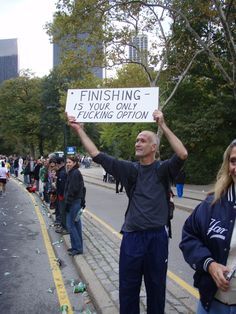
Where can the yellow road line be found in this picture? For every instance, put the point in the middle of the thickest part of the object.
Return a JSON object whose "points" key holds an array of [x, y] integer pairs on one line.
{"points": [[183, 284], [57, 276], [103, 223], [170, 274]]}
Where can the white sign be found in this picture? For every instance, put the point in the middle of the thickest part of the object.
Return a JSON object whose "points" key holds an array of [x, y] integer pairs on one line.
{"points": [[112, 104]]}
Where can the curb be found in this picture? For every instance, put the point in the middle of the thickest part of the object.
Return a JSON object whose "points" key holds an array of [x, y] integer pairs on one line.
{"points": [[99, 296], [97, 293]]}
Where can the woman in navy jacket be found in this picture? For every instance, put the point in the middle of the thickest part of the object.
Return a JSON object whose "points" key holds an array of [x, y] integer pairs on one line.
{"points": [[209, 241], [73, 194]]}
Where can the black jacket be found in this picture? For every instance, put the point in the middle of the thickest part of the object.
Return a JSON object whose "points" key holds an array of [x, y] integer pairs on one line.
{"points": [[36, 171], [61, 180], [73, 187]]}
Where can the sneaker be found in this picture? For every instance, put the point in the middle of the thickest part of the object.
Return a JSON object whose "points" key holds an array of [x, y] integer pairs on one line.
{"points": [[58, 229], [61, 230], [64, 232], [74, 252]]}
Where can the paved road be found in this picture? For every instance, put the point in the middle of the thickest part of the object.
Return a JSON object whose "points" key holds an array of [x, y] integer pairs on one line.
{"points": [[30, 279]]}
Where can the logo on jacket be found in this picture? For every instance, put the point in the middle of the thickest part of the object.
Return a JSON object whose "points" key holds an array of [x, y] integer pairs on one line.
{"points": [[216, 230]]}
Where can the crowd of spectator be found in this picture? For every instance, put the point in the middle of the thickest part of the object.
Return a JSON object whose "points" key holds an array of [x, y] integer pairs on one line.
{"points": [[45, 175]]}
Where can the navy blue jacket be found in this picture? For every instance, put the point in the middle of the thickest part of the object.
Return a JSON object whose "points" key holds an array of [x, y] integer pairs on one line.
{"points": [[206, 237], [61, 180], [73, 187]]}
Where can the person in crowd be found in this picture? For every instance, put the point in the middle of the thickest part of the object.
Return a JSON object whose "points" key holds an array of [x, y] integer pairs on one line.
{"points": [[16, 166], [21, 161], [144, 247], [209, 241], [104, 175], [73, 194], [43, 181], [4, 176], [119, 186], [11, 161], [36, 173], [31, 166], [26, 172], [60, 188], [179, 182], [7, 165], [52, 188]]}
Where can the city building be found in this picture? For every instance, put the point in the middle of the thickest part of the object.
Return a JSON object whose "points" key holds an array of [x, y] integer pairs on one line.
{"points": [[8, 59], [138, 49], [57, 51]]}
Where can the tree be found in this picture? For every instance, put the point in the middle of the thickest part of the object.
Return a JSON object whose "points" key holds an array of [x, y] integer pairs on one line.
{"points": [[192, 60], [52, 125], [20, 109], [31, 120], [116, 23], [210, 26]]}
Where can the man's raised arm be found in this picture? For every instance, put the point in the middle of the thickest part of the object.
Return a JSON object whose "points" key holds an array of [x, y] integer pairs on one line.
{"points": [[174, 141], [88, 144]]}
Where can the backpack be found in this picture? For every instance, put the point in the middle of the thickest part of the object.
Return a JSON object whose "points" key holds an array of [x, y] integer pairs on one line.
{"points": [[83, 200], [169, 195]]}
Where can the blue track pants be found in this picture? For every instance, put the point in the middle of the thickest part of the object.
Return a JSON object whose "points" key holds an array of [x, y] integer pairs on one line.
{"points": [[143, 254]]}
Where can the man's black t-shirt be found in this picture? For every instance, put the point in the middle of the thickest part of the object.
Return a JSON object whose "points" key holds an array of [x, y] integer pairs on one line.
{"points": [[148, 208]]}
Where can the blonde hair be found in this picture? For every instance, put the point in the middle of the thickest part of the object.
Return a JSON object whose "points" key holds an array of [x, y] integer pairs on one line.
{"points": [[223, 179]]}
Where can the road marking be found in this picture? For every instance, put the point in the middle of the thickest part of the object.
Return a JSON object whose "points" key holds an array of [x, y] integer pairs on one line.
{"points": [[56, 272], [183, 284], [170, 274]]}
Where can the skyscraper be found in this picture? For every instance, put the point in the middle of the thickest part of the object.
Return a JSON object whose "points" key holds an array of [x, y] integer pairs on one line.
{"points": [[8, 59], [138, 49], [57, 53]]}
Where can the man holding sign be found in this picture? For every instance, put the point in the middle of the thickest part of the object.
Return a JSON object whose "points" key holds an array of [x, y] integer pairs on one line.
{"points": [[144, 247]]}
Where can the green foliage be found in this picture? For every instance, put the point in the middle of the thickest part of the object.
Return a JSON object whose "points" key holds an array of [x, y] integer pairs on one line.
{"points": [[204, 118], [30, 115], [201, 111], [20, 109]]}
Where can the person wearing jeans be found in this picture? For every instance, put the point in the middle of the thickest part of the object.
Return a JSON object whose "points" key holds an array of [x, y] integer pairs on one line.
{"points": [[74, 225], [73, 194]]}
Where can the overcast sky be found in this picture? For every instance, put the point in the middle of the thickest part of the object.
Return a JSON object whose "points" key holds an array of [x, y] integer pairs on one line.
{"points": [[25, 20]]}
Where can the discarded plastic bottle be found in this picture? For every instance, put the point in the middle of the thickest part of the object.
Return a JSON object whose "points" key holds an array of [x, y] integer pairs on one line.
{"points": [[81, 287], [64, 309]]}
